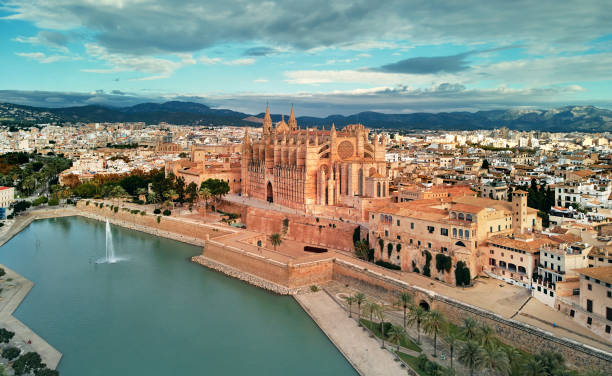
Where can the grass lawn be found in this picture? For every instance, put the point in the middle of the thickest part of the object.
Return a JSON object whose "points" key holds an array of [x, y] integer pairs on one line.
{"points": [[375, 328]]}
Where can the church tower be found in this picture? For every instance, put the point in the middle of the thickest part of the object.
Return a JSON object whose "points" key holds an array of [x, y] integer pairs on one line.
{"points": [[292, 122], [267, 123], [519, 212]]}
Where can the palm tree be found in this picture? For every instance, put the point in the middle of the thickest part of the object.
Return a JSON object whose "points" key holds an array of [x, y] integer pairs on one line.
{"points": [[350, 300], [516, 361], [397, 334], [486, 335], [469, 329], [359, 299], [406, 300], [380, 314], [495, 359], [416, 316], [205, 195], [470, 354], [433, 324], [371, 308], [451, 339], [534, 367], [276, 239]]}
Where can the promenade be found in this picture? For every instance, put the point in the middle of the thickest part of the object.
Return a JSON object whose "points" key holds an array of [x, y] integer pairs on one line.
{"points": [[12, 295], [364, 353]]}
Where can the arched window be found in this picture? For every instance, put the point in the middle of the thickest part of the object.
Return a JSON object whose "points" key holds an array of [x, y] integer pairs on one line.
{"points": [[378, 190], [454, 232], [460, 233], [468, 217], [453, 215], [461, 217], [460, 243]]}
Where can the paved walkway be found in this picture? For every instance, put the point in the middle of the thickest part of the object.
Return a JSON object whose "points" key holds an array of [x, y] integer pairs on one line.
{"points": [[363, 352], [14, 296]]}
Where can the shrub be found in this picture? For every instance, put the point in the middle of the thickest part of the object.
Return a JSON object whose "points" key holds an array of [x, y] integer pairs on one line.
{"points": [[1, 224], [2, 272], [167, 212], [143, 212], [46, 372], [86, 203], [462, 274], [54, 201], [314, 288], [426, 271], [443, 262], [134, 211], [116, 209], [27, 363], [40, 200], [10, 353], [387, 265], [157, 211], [158, 219], [6, 335]]}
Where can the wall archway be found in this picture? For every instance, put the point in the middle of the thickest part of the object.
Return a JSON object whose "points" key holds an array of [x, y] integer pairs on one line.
{"points": [[423, 304]]}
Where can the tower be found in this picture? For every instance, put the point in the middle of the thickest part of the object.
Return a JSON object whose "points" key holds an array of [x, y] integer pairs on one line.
{"points": [[292, 122], [267, 123], [519, 212], [247, 154]]}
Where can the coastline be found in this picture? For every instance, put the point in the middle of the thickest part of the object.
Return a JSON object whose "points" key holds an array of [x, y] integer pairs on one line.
{"points": [[49, 354]]}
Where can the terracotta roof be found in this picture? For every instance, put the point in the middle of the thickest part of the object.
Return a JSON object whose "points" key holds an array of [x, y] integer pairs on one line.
{"points": [[3, 188], [529, 246], [602, 273], [376, 175]]}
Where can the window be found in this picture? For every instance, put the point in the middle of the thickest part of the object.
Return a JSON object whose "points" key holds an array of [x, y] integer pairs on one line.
{"points": [[608, 313], [491, 229], [410, 241], [572, 313], [412, 225], [399, 237], [589, 306], [589, 320], [431, 229], [609, 294], [468, 217], [461, 217], [608, 329], [444, 231], [498, 227], [419, 243], [454, 232], [398, 222], [467, 234], [428, 245], [589, 287], [460, 233], [492, 252]]}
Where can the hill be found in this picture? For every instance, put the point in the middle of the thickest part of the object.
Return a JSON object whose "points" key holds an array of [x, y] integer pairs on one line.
{"points": [[568, 118]]}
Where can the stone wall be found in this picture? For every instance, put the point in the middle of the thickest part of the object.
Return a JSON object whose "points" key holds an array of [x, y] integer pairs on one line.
{"points": [[515, 333]]}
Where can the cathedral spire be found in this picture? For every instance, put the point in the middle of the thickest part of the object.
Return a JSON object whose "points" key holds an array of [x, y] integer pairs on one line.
{"points": [[267, 123], [292, 122]]}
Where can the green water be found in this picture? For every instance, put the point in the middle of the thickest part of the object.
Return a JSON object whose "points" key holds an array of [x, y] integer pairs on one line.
{"points": [[156, 313]]}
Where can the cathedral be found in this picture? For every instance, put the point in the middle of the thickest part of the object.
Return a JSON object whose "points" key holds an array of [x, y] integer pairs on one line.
{"points": [[308, 169]]}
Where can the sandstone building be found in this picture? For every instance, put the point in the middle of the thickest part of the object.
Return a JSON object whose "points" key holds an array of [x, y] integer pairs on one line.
{"points": [[336, 172]]}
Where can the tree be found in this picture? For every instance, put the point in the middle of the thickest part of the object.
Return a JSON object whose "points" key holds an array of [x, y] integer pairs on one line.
{"points": [[405, 300], [433, 324], [370, 308], [362, 250], [349, 301], [486, 335], [2, 272], [46, 372], [27, 363], [192, 192], [451, 339], [359, 299], [485, 164], [495, 359], [380, 314], [470, 354], [6, 335], [397, 334], [10, 353], [205, 195], [416, 316], [276, 240], [469, 328], [462, 274], [552, 362], [85, 190], [533, 367], [217, 188], [179, 188]]}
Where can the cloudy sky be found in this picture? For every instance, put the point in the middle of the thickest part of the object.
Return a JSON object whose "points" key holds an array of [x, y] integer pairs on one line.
{"points": [[326, 57]]}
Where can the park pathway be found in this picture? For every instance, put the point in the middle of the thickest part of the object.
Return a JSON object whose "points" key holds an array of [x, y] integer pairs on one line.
{"points": [[363, 352]]}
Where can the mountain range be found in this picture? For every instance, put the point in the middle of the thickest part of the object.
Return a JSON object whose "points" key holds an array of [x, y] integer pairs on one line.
{"points": [[568, 118]]}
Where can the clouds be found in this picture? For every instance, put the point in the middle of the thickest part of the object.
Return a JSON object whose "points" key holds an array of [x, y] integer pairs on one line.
{"points": [[170, 26], [47, 38], [158, 67], [41, 57], [428, 65]]}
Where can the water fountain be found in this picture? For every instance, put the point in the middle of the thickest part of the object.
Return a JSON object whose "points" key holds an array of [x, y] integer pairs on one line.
{"points": [[110, 250]]}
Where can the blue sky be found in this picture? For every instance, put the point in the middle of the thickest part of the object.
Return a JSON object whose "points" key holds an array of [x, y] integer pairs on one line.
{"points": [[396, 56]]}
